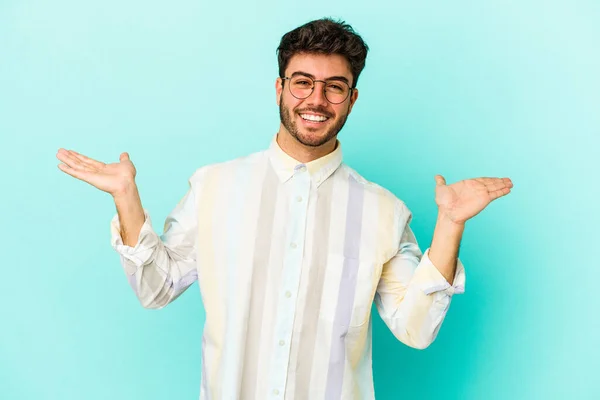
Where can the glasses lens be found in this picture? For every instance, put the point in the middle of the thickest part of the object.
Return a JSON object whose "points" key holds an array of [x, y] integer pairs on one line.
{"points": [[301, 86], [336, 91]]}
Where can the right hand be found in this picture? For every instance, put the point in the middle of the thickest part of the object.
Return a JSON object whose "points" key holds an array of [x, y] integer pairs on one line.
{"points": [[115, 179]]}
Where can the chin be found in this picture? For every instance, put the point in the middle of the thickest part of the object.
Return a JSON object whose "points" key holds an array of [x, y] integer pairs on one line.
{"points": [[313, 139]]}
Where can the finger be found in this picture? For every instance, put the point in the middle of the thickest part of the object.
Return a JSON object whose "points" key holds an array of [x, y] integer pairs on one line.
{"points": [[485, 180], [488, 181], [124, 157], [496, 184], [76, 160], [86, 160], [499, 193], [439, 180], [501, 183], [79, 174], [69, 160], [80, 160]]}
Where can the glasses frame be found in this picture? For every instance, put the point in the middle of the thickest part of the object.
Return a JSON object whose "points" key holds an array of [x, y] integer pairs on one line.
{"points": [[287, 78]]}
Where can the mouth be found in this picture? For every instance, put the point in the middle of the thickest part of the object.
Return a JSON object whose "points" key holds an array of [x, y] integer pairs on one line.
{"points": [[313, 119]]}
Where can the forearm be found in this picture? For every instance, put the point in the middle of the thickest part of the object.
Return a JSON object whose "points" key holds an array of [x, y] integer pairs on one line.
{"points": [[443, 251], [159, 268], [131, 214], [416, 317], [158, 271], [413, 293], [163, 279]]}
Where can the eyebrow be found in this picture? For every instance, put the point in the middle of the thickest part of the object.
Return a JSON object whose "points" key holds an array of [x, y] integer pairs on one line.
{"points": [[331, 78]]}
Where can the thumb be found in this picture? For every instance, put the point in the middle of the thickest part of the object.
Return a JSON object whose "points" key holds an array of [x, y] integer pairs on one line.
{"points": [[123, 157], [439, 180]]}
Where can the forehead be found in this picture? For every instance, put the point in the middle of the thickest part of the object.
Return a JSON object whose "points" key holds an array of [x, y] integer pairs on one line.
{"points": [[322, 66]]}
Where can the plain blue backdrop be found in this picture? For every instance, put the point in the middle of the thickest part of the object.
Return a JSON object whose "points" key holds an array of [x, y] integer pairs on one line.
{"points": [[460, 88]]}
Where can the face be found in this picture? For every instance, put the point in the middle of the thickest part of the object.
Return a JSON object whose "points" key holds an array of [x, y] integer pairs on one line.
{"points": [[298, 115]]}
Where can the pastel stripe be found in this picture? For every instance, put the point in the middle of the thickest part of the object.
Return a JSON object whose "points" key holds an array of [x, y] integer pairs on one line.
{"points": [[345, 301], [306, 347], [233, 212], [210, 281], [260, 264]]}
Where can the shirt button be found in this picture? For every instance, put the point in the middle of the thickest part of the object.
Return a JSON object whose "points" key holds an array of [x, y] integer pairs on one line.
{"points": [[275, 392], [293, 245], [299, 199], [288, 294], [281, 342]]}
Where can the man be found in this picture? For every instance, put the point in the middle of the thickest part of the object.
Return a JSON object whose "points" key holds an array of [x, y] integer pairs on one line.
{"points": [[290, 246]]}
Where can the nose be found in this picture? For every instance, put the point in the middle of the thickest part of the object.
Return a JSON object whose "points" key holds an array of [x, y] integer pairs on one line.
{"points": [[317, 97]]}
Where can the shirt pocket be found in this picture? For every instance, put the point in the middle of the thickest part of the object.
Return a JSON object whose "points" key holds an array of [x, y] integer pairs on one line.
{"points": [[349, 287]]}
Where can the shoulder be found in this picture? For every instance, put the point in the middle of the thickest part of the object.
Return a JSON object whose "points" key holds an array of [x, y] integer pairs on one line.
{"points": [[381, 205], [247, 161], [383, 195]]}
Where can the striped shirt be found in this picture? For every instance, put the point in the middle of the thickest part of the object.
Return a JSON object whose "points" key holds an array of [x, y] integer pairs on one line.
{"points": [[289, 258]]}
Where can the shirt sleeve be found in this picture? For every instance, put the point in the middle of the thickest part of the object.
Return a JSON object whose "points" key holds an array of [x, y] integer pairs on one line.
{"points": [[160, 268], [412, 295]]}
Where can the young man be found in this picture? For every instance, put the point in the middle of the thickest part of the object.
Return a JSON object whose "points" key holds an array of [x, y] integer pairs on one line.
{"points": [[290, 246]]}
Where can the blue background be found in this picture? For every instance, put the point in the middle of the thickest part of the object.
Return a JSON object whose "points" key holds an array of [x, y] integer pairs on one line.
{"points": [[460, 88]]}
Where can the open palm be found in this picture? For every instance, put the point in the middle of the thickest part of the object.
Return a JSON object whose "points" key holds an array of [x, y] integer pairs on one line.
{"points": [[465, 199], [111, 178]]}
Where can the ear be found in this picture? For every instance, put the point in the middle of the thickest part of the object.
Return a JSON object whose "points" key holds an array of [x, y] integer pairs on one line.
{"points": [[278, 89], [353, 99]]}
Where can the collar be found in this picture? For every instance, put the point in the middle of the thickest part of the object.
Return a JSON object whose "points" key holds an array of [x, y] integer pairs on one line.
{"points": [[320, 169]]}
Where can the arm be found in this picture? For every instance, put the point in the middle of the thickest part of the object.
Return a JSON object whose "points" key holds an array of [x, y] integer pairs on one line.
{"points": [[131, 213], [412, 296], [159, 268], [415, 290], [444, 246]]}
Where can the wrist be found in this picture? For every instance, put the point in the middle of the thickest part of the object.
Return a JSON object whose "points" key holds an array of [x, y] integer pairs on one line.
{"points": [[127, 191], [448, 225]]}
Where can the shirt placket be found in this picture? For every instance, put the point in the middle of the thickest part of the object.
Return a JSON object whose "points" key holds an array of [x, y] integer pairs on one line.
{"points": [[288, 292]]}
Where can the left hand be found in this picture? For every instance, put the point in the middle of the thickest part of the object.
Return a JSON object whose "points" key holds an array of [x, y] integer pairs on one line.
{"points": [[465, 199]]}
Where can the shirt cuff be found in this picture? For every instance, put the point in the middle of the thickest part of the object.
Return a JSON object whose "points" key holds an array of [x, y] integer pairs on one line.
{"points": [[430, 280], [143, 249]]}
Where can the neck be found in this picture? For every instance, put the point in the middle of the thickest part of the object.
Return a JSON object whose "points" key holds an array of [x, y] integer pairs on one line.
{"points": [[292, 147]]}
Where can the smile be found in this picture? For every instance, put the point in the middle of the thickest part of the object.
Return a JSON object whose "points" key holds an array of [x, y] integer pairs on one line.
{"points": [[313, 117]]}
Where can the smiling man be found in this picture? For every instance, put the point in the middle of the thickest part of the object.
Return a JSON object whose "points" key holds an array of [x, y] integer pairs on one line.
{"points": [[290, 246], [313, 121]]}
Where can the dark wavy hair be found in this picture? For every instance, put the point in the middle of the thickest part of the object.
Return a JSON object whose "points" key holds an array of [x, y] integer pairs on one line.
{"points": [[324, 36]]}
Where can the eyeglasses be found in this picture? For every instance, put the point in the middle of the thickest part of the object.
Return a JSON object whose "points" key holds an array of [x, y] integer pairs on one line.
{"points": [[301, 87]]}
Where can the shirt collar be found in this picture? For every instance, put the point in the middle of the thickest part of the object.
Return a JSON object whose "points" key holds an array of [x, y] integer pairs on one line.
{"points": [[320, 169]]}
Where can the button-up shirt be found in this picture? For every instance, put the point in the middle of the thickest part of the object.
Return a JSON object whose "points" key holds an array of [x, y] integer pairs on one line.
{"points": [[289, 258]]}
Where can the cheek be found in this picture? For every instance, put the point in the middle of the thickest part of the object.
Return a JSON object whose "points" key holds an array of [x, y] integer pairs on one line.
{"points": [[340, 110], [291, 103]]}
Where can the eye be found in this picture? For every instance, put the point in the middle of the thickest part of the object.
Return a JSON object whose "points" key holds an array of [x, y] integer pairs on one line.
{"points": [[335, 87], [302, 82]]}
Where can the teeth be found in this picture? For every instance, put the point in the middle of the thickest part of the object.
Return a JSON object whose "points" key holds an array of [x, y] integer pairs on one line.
{"points": [[310, 117]]}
